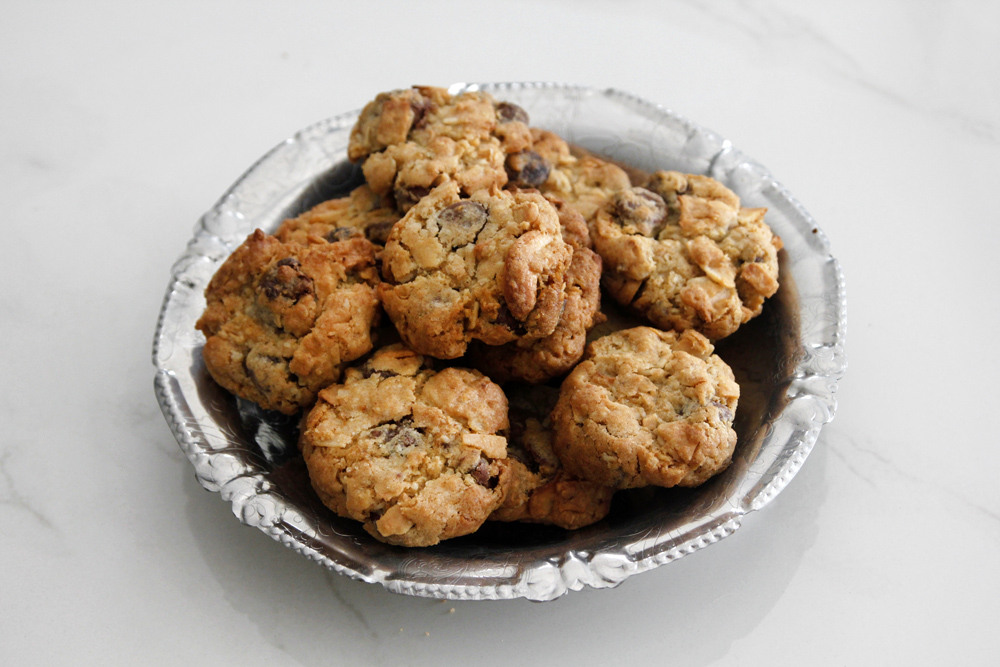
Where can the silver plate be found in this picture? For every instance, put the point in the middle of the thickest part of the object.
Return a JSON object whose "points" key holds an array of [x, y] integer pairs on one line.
{"points": [[788, 362]]}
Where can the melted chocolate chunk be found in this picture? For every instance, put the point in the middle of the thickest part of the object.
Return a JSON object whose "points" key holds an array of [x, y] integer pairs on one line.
{"points": [[406, 197], [367, 371], [508, 112], [461, 222], [527, 169], [725, 414], [420, 108], [286, 279], [341, 234], [481, 473], [644, 210], [378, 232], [397, 433]]}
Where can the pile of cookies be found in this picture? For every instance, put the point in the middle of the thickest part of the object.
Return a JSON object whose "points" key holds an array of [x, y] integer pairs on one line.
{"points": [[486, 242]]}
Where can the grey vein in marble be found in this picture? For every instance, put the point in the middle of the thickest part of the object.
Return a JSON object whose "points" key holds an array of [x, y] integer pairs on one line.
{"points": [[11, 497]]}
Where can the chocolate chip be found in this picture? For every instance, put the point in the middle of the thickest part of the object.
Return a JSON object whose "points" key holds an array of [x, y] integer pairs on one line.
{"points": [[461, 222], [481, 473], [527, 169], [725, 414], [421, 107], [378, 232], [368, 372], [397, 433], [259, 366], [406, 197], [640, 208], [341, 234], [286, 279], [508, 112]]}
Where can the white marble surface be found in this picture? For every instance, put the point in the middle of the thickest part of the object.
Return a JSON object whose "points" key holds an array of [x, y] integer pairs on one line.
{"points": [[120, 123]]}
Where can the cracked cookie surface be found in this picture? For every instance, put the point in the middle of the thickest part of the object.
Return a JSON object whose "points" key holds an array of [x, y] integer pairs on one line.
{"points": [[361, 213], [647, 407], [491, 267], [541, 491], [415, 139], [417, 455], [685, 254], [539, 360], [281, 320], [583, 182]]}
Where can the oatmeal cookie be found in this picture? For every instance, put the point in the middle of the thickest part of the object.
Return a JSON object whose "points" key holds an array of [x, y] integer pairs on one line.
{"points": [[685, 254], [417, 455], [282, 319], [647, 407], [415, 139], [362, 213], [584, 183], [491, 267], [541, 491]]}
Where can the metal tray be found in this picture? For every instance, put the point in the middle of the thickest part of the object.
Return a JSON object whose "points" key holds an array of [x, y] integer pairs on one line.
{"points": [[787, 361]]}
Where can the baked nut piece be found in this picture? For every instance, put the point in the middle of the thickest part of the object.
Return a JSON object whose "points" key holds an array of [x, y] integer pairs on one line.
{"points": [[539, 360], [362, 213], [541, 491], [418, 456], [647, 407], [491, 268], [685, 254], [584, 183], [415, 139], [282, 319]]}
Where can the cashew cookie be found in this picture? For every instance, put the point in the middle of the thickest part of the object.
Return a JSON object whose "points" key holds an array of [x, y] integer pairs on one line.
{"points": [[647, 407]]}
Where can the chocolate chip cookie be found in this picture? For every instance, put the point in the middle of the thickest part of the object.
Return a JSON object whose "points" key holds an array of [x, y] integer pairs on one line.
{"points": [[684, 253], [541, 491], [490, 267], [362, 213], [647, 407], [282, 319], [417, 455], [415, 139]]}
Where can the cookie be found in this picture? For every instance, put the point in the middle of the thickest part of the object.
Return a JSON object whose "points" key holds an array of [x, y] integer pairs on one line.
{"points": [[647, 407], [417, 455], [541, 491], [413, 140], [282, 319], [491, 267], [539, 360], [362, 213], [583, 182], [686, 255]]}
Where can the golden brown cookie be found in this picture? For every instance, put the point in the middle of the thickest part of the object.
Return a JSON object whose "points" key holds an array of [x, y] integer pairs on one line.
{"points": [[417, 455], [415, 139], [647, 407], [541, 491], [282, 319], [490, 267], [362, 213], [685, 254]]}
